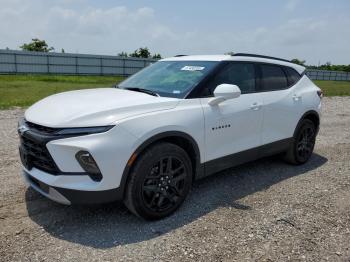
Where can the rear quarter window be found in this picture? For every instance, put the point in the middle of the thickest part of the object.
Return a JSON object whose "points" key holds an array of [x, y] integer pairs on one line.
{"points": [[293, 76]]}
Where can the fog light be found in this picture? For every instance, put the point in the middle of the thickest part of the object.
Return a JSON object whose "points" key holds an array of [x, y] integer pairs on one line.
{"points": [[88, 163]]}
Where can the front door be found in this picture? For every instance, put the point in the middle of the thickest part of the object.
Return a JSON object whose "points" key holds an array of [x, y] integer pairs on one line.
{"points": [[234, 125]]}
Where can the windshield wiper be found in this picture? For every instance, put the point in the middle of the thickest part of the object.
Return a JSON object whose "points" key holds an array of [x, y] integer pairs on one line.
{"points": [[142, 90]]}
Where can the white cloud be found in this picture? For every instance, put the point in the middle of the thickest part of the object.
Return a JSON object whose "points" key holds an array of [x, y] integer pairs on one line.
{"points": [[84, 29], [292, 5], [76, 27]]}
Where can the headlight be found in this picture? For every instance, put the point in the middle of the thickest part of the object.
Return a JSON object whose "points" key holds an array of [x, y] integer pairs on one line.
{"points": [[83, 130]]}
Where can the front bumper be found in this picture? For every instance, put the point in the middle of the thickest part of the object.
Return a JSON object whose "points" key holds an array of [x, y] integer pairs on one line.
{"points": [[56, 166], [70, 196]]}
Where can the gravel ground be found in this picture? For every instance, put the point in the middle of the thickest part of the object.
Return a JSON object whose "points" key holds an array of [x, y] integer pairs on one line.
{"points": [[265, 210]]}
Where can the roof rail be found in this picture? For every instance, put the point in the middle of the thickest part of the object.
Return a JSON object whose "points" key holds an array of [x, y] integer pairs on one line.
{"points": [[179, 55], [261, 56]]}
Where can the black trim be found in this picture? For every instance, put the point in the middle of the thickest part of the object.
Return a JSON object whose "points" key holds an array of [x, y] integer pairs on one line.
{"points": [[219, 164], [262, 56], [202, 170], [79, 196], [197, 91], [34, 153], [91, 197]]}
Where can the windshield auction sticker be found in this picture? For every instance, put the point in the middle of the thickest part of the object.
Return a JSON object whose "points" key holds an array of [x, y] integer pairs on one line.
{"points": [[192, 68]]}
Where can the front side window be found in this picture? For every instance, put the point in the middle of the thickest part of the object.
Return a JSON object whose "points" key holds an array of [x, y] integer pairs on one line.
{"points": [[240, 74], [273, 78], [170, 78]]}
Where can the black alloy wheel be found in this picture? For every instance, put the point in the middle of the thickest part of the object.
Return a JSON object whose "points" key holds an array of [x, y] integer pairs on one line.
{"points": [[165, 184], [303, 144], [159, 181]]}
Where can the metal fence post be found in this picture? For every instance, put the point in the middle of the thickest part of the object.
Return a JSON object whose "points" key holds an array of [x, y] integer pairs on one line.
{"points": [[124, 69], [48, 63], [15, 58], [76, 65]]}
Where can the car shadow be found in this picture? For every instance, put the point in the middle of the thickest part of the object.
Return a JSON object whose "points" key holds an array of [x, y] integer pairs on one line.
{"points": [[109, 225]]}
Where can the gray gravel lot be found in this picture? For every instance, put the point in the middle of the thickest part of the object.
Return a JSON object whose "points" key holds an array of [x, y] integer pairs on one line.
{"points": [[265, 210]]}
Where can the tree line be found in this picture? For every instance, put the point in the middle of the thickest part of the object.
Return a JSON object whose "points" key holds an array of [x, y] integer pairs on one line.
{"points": [[143, 52], [37, 45], [326, 66]]}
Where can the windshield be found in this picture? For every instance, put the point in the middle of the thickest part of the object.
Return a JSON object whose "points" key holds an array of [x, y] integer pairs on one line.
{"points": [[169, 78]]}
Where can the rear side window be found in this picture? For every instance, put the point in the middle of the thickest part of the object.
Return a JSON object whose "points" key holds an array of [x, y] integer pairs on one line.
{"points": [[273, 78], [240, 74], [293, 76]]}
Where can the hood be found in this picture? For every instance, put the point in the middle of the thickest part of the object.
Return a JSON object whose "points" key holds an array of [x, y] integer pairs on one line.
{"points": [[94, 107]]}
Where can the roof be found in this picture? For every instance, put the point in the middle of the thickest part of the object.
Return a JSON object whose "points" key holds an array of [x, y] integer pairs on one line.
{"points": [[300, 69]]}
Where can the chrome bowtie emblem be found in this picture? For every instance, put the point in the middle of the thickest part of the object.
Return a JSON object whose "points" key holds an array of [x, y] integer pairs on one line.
{"points": [[22, 129]]}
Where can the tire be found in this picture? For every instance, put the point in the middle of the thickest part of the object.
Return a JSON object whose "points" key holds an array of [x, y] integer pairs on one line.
{"points": [[159, 181], [303, 144]]}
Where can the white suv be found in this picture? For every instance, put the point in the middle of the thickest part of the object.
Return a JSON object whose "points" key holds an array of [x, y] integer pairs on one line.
{"points": [[182, 118]]}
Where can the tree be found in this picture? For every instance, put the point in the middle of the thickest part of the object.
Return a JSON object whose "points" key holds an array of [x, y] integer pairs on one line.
{"points": [[298, 62], [123, 54], [37, 45], [157, 56], [230, 53], [142, 52], [62, 50]]}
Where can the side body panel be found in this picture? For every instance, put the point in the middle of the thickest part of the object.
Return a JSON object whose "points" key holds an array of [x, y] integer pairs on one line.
{"points": [[284, 108]]}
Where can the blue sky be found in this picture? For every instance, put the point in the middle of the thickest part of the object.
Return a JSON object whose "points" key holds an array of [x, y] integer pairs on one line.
{"points": [[316, 31]]}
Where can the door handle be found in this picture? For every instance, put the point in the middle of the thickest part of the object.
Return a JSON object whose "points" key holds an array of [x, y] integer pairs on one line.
{"points": [[296, 97], [255, 106]]}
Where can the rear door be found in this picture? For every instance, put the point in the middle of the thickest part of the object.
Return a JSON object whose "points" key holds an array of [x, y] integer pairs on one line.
{"points": [[282, 103], [233, 125]]}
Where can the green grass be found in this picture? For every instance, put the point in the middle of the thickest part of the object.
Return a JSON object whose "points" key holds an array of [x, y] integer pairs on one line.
{"points": [[24, 90], [334, 88]]}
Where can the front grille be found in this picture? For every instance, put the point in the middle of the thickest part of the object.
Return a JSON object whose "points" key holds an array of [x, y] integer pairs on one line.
{"points": [[39, 156], [40, 128]]}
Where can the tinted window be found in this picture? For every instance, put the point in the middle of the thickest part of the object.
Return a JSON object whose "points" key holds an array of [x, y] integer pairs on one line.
{"points": [[273, 78], [240, 74], [293, 76]]}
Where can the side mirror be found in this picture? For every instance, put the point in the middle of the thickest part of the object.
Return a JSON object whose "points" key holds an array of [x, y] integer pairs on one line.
{"points": [[224, 92]]}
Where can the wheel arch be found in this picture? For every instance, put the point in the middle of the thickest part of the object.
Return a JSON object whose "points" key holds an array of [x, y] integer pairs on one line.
{"points": [[311, 115], [181, 139]]}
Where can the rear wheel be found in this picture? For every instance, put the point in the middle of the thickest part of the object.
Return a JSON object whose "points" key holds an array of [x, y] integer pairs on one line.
{"points": [[303, 145], [159, 181]]}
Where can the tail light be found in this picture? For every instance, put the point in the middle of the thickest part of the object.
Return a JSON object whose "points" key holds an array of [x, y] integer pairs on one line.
{"points": [[320, 94]]}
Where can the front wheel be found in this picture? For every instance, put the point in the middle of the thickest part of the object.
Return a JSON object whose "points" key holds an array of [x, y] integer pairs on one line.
{"points": [[159, 181], [303, 144]]}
